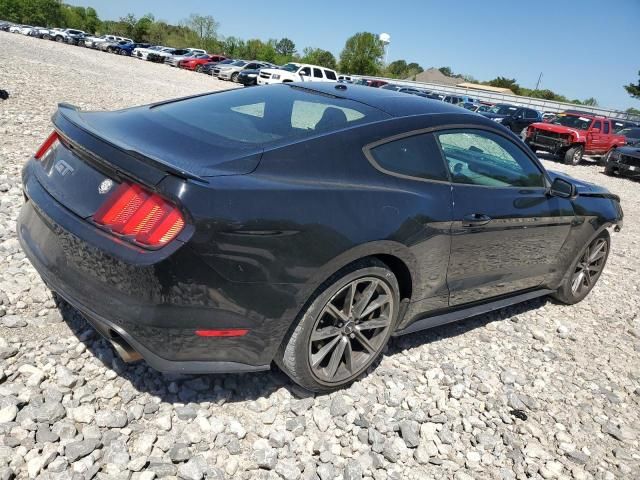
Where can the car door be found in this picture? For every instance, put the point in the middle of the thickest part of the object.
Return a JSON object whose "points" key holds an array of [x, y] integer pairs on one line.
{"points": [[507, 231], [594, 137]]}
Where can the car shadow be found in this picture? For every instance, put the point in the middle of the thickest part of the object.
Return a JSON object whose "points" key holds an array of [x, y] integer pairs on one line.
{"points": [[234, 387]]}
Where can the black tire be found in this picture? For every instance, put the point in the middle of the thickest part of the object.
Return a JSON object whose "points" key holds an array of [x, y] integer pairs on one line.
{"points": [[573, 156], [199, 69], [608, 170], [59, 38], [234, 77], [297, 350], [567, 293], [123, 52], [604, 160]]}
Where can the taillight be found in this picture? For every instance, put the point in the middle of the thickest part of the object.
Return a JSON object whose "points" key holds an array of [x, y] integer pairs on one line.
{"points": [[140, 216], [47, 145]]}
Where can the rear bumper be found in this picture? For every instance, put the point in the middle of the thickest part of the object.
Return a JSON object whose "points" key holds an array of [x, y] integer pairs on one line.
{"points": [[153, 300]]}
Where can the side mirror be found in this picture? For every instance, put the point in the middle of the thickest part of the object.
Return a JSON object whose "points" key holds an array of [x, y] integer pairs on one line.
{"points": [[595, 130], [563, 189]]}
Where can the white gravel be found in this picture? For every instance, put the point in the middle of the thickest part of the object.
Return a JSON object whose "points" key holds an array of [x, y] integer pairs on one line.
{"points": [[439, 405]]}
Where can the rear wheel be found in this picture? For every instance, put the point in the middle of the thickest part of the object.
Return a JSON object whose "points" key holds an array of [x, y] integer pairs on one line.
{"points": [[573, 156], [199, 69], [344, 330], [123, 52], [585, 270]]}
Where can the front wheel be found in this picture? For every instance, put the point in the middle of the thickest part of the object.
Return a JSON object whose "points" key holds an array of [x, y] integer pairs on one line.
{"points": [[234, 77], [199, 69], [344, 329], [605, 158], [124, 52], [585, 270], [573, 156]]}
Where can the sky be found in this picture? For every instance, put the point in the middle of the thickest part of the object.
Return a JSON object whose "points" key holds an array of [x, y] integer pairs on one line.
{"points": [[583, 48]]}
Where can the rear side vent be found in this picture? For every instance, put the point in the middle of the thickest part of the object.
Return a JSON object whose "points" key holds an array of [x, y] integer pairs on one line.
{"points": [[140, 216]]}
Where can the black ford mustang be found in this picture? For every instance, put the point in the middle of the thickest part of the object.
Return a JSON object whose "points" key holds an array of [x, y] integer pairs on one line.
{"points": [[299, 223]]}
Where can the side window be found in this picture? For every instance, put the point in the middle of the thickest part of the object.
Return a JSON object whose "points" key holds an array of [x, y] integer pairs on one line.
{"points": [[305, 71], [477, 157], [415, 156], [597, 124], [317, 73], [331, 75], [530, 114], [606, 127]]}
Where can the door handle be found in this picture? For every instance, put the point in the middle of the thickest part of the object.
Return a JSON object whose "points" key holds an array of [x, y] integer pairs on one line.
{"points": [[475, 220]]}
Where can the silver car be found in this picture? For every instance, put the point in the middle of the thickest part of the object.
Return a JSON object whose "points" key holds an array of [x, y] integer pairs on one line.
{"points": [[232, 70], [174, 60]]}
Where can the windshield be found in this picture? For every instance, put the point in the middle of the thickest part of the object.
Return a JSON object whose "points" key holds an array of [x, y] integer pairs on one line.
{"points": [[290, 67], [239, 63], [581, 123], [503, 109]]}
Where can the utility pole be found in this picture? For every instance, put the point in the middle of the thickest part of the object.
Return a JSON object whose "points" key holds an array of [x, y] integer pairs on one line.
{"points": [[538, 82]]}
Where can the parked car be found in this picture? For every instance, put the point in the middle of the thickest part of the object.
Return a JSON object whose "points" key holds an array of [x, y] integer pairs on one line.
{"points": [[248, 78], [572, 135], [75, 38], [183, 54], [15, 28], [376, 83], [232, 70], [548, 116], [296, 72], [631, 135], [210, 67], [198, 62], [5, 26], [61, 35], [128, 48], [458, 99], [113, 46], [514, 118], [622, 124], [93, 41], [624, 161], [324, 223], [143, 53]]}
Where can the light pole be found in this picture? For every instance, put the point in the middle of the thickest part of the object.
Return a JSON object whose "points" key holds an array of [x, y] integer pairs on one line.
{"points": [[385, 38]]}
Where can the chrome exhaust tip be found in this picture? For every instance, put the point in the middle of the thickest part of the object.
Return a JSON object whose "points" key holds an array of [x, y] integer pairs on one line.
{"points": [[123, 349]]}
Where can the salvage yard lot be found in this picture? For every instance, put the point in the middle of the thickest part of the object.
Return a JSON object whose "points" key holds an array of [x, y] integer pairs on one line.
{"points": [[439, 405]]}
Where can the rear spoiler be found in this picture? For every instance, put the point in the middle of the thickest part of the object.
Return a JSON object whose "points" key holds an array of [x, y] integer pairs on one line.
{"points": [[147, 169]]}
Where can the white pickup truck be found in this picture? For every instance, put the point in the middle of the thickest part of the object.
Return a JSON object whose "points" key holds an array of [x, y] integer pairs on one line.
{"points": [[296, 72]]}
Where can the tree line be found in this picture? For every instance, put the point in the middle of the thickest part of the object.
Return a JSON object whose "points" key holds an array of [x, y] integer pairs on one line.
{"points": [[362, 54]]}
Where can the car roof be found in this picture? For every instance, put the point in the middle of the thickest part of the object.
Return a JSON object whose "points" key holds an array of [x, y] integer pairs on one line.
{"points": [[392, 102]]}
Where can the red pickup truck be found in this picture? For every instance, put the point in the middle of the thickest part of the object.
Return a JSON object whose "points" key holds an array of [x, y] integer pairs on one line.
{"points": [[572, 135]]}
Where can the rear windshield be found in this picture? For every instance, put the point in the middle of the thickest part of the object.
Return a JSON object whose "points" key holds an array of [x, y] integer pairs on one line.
{"points": [[265, 115]]}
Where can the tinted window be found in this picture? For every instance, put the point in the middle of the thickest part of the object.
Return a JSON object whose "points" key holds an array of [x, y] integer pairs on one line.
{"points": [[330, 75], [305, 71], [531, 114], [597, 124], [415, 156], [483, 158], [258, 116], [317, 73], [606, 127]]}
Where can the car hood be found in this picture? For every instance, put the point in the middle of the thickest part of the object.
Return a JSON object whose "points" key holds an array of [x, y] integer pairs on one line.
{"points": [[551, 127], [633, 151]]}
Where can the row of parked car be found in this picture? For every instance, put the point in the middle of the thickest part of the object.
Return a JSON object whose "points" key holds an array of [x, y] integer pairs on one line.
{"points": [[568, 135]]}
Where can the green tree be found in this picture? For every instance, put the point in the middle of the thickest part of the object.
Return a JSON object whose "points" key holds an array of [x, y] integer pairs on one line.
{"points": [[318, 56], [414, 67], [397, 69], [285, 47], [592, 102], [633, 89], [362, 54], [446, 71], [633, 111], [205, 28], [503, 82]]}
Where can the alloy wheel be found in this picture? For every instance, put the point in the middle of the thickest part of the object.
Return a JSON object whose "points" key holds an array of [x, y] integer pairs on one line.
{"points": [[351, 330], [589, 267], [577, 156]]}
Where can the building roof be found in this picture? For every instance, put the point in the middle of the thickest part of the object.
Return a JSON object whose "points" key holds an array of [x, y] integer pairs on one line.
{"points": [[486, 88], [433, 75]]}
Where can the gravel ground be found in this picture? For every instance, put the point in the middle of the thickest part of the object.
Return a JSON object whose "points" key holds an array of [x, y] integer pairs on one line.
{"points": [[535, 391]]}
